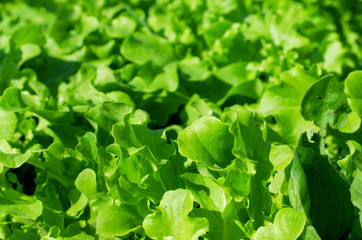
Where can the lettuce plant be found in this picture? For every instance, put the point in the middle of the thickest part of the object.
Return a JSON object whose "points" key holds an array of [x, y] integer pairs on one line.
{"points": [[180, 119]]}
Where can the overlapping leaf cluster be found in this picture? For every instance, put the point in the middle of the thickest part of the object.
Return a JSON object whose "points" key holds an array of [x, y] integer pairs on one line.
{"points": [[180, 119]]}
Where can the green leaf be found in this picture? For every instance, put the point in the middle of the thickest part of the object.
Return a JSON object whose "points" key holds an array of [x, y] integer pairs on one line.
{"points": [[220, 226], [352, 83], [19, 205], [215, 30], [283, 102], [121, 26], [206, 191], [101, 123], [74, 233], [233, 74], [196, 108], [27, 34], [12, 100], [138, 138], [311, 234], [86, 182], [241, 80], [143, 47], [54, 232], [56, 166], [14, 160], [277, 184], [24, 234], [238, 181], [25, 43], [175, 166], [353, 161], [280, 156], [288, 224], [9, 122], [326, 104], [29, 51], [207, 140], [79, 202], [147, 186], [117, 220], [248, 141], [222, 7], [172, 215], [151, 78], [282, 30], [88, 147], [10, 158], [249, 89], [353, 123], [298, 186], [250, 147], [53, 218], [356, 191], [333, 57], [327, 190], [116, 111], [67, 134], [194, 69]]}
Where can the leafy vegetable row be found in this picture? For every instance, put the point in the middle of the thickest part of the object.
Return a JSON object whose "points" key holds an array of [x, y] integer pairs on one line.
{"points": [[182, 119]]}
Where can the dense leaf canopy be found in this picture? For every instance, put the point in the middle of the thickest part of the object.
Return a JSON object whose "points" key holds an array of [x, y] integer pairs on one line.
{"points": [[180, 119]]}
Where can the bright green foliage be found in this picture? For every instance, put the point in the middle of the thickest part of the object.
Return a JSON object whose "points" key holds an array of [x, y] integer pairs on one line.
{"points": [[280, 156], [180, 119], [288, 224], [207, 140], [356, 194], [171, 220], [116, 220], [86, 182], [14, 160], [12, 101], [325, 190], [352, 85], [8, 126], [325, 104], [283, 101], [298, 187], [20, 206]]}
